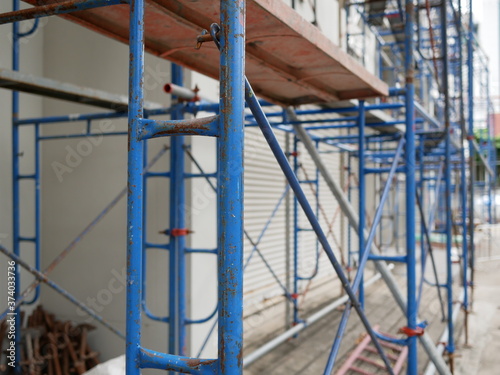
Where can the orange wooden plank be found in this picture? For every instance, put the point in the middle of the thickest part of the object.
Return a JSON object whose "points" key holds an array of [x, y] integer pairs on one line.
{"points": [[289, 61]]}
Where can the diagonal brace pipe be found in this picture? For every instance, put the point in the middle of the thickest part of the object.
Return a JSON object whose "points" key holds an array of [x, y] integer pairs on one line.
{"points": [[266, 129], [43, 278], [353, 218], [364, 259]]}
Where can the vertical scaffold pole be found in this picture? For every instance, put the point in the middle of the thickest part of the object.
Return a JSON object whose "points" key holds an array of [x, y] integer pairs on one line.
{"points": [[411, 312], [288, 247], [463, 181], [490, 150], [349, 199], [362, 192], [470, 105], [450, 347], [230, 159], [177, 244], [421, 187], [296, 237], [135, 188]]}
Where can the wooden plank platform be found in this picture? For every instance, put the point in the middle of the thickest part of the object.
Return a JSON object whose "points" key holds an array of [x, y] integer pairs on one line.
{"points": [[289, 61]]}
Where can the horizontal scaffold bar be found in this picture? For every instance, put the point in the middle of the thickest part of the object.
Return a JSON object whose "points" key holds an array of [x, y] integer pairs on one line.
{"points": [[64, 7], [207, 126], [29, 83]]}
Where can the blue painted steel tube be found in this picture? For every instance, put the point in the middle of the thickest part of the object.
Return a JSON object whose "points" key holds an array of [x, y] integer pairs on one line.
{"points": [[421, 186], [177, 268], [69, 136], [317, 192], [37, 238], [361, 193], [472, 154], [230, 167], [282, 160], [208, 126], [135, 189], [31, 31], [185, 365], [349, 229], [364, 257], [382, 170], [401, 342], [70, 118], [296, 237], [412, 308], [450, 347], [202, 320], [389, 258], [490, 160], [370, 138], [185, 107], [323, 111], [463, 182]]}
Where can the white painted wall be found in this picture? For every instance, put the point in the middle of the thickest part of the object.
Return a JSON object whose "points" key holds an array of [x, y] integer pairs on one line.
{"points": [[487, 17], [94, 270], [32, 48]]}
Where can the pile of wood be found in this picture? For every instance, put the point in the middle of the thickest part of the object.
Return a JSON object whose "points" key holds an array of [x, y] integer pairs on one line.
{"points": [[52, 347]]}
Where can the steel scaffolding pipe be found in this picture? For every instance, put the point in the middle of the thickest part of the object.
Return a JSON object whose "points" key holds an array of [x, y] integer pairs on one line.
{"points": [[353, 218], [266, 348]]}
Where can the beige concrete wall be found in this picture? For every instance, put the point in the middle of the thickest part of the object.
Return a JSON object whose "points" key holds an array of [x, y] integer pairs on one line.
{"points": [[95, 271], [93, 172], [31, 50]]}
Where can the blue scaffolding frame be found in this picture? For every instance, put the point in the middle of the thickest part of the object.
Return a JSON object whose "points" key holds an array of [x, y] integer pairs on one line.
{"points": [[445, 160]]}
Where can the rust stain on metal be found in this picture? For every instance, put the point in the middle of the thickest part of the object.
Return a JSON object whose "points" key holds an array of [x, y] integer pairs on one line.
{"points": [[409, 8], [179, 131], [222, 354], [188, 127], [239, 357], [195, 363]]}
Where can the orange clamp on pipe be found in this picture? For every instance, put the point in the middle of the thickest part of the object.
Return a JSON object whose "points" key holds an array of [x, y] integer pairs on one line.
{"points": [[177, 232], [419, 331]]}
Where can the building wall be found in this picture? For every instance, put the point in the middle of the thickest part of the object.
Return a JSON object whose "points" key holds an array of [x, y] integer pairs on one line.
{"points": [[32, 48], [81, 176], [487, 17], [95, 271]]}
